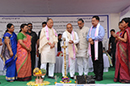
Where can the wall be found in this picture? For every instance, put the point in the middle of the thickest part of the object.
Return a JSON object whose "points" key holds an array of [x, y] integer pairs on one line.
{"points": [[114, 20], [125, 13]]}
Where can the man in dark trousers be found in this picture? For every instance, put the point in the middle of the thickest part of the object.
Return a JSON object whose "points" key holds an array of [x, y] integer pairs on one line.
{"points": [[112, 47], [38, 55], [95, 37], [33, 44]]}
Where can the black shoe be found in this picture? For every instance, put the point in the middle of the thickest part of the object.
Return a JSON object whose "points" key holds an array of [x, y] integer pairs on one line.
{"points": [[72, 77], [51, 77], [99, 79]]}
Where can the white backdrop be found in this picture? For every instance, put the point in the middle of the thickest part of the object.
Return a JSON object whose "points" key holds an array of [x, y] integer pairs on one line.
{"points": [[125, 13], [60, 22]]}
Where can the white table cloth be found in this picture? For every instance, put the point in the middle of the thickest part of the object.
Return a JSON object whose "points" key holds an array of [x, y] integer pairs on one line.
{"points": [[2, 72]]}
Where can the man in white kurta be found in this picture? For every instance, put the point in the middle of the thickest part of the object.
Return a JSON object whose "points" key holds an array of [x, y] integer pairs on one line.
{"points": [[71, 50], [82, 55], [47, 47]]}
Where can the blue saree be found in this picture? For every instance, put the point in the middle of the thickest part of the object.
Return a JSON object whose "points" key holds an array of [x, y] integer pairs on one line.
{"points": [[10, 62]]}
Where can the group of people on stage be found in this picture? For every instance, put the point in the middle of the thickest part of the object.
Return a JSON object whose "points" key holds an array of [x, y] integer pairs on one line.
{"points": [[18, 51], [79, 43]]}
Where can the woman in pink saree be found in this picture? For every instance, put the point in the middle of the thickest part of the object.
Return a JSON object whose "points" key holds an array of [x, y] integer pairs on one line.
{"points": [[122, 68]]}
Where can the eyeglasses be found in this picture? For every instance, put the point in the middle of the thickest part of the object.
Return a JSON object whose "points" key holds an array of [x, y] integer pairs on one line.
{"points": [[30, 26]]}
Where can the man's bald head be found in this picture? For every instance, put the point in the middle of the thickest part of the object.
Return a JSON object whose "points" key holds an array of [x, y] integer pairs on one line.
{"points": [[69, 24], [69, 27]]}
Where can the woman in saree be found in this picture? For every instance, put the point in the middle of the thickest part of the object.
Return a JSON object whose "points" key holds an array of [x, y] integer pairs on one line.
{"points": [[122, 68], [23, 62], [8, 53]]}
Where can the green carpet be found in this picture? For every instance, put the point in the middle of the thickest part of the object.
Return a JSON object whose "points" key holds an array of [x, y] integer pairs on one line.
{"points": [[107, 79]]}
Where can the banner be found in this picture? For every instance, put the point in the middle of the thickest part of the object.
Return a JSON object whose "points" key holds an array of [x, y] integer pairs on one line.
{"points": [[60, 22]]}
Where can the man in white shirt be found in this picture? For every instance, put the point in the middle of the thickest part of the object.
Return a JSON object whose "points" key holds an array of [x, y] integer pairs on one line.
{"points": [[71, 50], [82, 55]]}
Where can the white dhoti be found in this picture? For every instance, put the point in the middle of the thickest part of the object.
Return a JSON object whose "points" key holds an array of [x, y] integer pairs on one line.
{"points": [[51, 69], [70, 68], [82, 62], [82, 66]]}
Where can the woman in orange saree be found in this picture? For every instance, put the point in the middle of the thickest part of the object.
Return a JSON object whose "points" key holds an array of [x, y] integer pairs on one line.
{"points": [[122, 68], [23, 62]]}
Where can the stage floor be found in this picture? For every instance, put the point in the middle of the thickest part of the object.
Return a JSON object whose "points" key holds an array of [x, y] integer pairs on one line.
{"points": [[107, 79]]}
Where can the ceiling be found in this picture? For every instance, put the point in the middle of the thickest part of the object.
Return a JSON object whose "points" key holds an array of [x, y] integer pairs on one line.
{"points": [[62, 6]]}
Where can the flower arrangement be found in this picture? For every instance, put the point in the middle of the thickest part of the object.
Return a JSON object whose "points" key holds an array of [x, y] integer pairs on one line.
{"points": [[65, 79], [38, 81], [40, 84], [59, 54], [38, 73]]}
